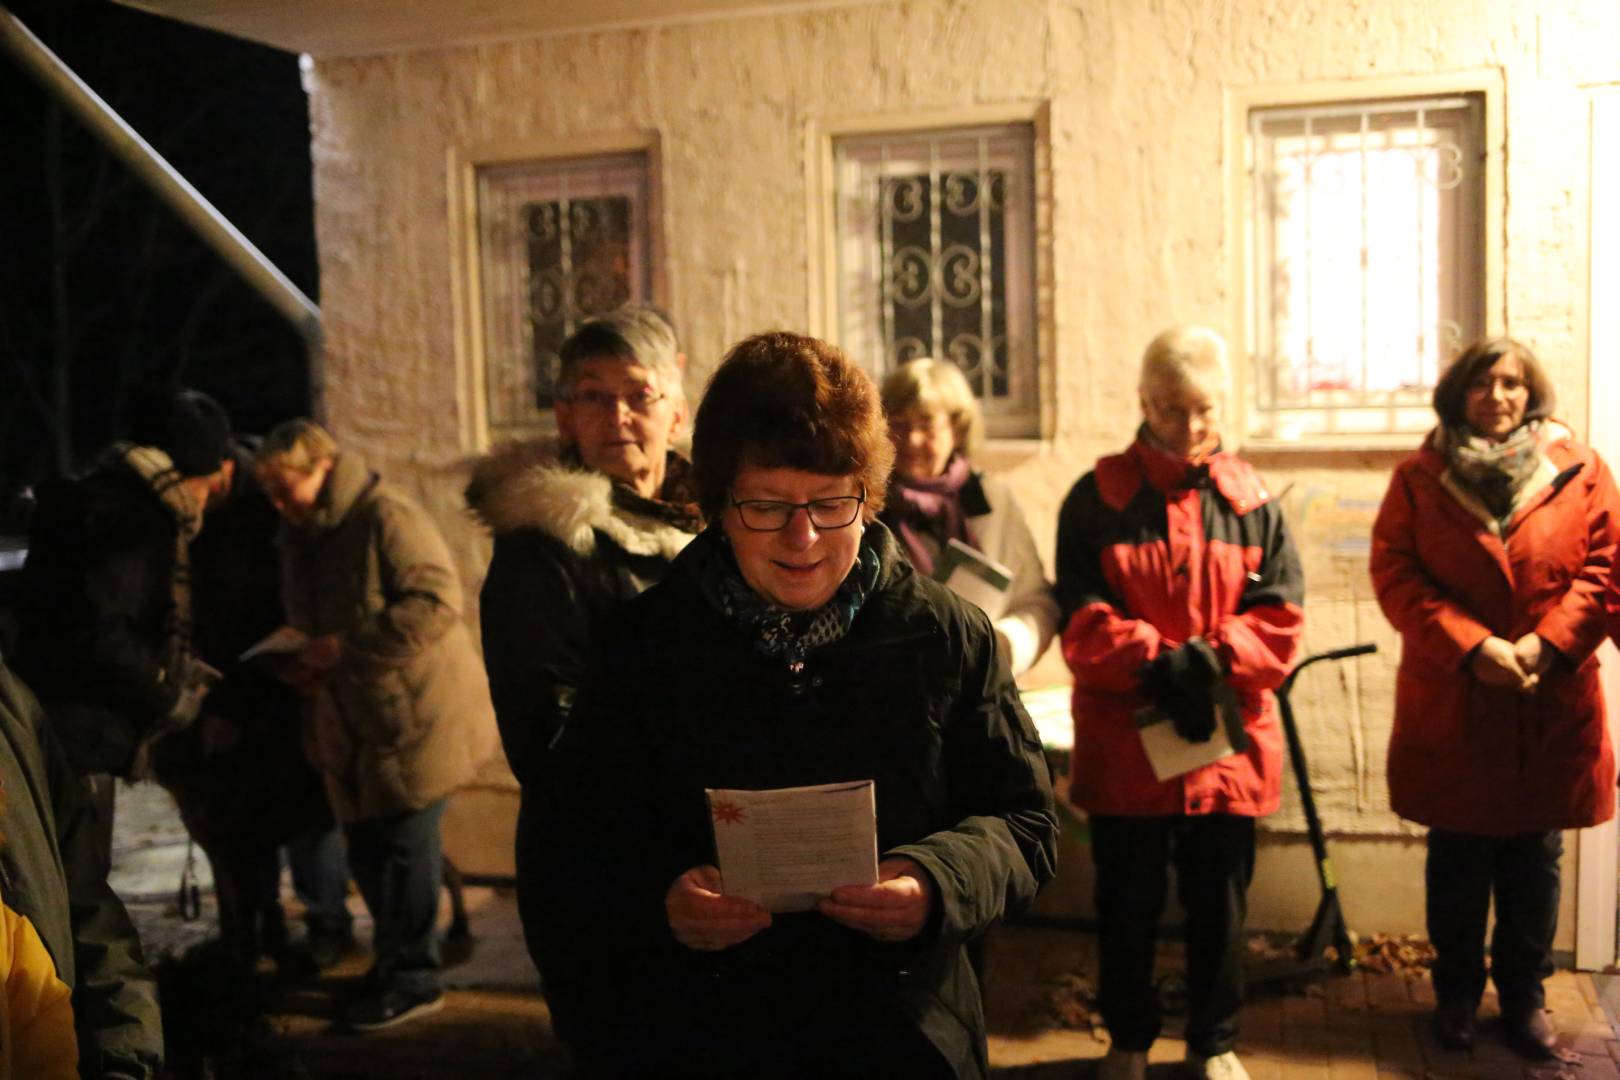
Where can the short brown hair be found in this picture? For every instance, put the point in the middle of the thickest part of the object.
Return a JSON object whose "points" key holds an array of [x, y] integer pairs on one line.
{"points": [[781, 400], [1451, 392]]}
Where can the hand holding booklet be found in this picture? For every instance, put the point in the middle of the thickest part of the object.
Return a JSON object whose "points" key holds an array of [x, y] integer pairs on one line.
{"points": [[1171, 755], [786, 848]]}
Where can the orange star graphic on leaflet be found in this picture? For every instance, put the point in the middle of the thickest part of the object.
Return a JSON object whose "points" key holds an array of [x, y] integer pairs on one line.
{"points": [[728, 812]]}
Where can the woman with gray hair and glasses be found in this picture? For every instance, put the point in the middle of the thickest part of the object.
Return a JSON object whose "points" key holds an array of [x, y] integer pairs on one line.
{"points": [[582, 523]]}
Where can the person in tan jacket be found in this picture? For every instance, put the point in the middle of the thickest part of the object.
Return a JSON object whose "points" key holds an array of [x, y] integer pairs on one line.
{"points": [[398, 702]]}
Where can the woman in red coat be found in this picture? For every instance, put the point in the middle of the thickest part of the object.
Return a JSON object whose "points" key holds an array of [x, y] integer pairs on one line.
{"points": [[1490, 556]]}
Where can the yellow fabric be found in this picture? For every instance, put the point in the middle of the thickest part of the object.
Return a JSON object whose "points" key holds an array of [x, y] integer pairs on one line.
{"points": [[36, 1010]]}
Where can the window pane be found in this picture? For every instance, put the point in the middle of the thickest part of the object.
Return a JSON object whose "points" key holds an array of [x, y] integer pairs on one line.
{"points": [[936, 258], [1367, 271], [559, 241], [579, 266]]}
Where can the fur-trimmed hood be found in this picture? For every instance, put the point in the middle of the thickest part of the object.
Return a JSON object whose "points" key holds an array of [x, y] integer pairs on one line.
{"points": [[527, 485]]}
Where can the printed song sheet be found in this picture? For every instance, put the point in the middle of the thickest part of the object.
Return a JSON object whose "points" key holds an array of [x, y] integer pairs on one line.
{"points": [[787, 848]]}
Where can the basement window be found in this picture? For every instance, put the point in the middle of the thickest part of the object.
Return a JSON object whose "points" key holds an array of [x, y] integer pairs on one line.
{"points": [[1366, 268], [936, 257], [559, 241]]}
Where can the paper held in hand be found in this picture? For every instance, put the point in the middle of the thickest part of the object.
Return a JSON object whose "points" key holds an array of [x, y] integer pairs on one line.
{"points": [[975, 577], [788, 847], [1171, 755], [277, 649]]}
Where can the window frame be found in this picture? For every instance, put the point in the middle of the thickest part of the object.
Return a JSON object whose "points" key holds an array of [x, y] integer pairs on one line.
{"points": [[464, 165], [822, 240], [1239, 102]]}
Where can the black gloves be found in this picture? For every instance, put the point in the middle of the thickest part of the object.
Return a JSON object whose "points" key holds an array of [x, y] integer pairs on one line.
{"points": [[1181, 683]]}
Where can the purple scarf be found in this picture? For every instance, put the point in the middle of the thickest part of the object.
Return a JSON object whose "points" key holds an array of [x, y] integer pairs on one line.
{"points": [[924, 510]]}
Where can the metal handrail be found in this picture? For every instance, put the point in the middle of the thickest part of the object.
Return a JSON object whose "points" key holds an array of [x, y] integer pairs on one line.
{"points": [[240, 253]]}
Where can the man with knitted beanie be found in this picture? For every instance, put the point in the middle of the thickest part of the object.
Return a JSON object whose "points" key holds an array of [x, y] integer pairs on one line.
{"points": [[106, 603]]}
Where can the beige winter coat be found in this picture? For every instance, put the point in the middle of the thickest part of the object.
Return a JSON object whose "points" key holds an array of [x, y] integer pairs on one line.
{"points": [[406, 717]]}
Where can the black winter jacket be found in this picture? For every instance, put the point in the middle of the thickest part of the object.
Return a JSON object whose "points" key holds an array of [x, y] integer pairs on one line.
{"points": [[915, 698], [566, 560], [96, 597]]}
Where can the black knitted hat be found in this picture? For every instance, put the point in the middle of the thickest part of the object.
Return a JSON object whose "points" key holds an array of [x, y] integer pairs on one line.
{"points": [[191, 428]]}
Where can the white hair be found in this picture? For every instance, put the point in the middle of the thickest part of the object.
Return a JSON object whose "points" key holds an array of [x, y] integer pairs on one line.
{"points": [[1185, 355]]}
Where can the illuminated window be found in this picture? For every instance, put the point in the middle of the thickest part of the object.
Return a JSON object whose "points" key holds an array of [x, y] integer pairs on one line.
{"points": [[935, 238], [559, 242], [1367, 266]]}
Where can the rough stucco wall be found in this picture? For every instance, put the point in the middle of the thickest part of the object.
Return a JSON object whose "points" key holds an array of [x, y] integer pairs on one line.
{"points": [[1137, 209]]}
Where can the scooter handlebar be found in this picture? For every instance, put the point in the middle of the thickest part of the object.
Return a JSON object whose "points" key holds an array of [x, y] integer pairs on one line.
{"points": [[1363, 649]]}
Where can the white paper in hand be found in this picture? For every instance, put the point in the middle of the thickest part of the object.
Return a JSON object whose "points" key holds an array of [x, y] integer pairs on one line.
{"points": [[1171, 755], [787, 848]]}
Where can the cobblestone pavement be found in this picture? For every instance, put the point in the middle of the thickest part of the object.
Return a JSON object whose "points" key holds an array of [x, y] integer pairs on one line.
{"points": [[1363, 1026]]}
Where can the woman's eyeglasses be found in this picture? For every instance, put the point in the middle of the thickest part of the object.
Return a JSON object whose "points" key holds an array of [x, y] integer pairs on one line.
{"points": [[639, 402], [768, 515]]}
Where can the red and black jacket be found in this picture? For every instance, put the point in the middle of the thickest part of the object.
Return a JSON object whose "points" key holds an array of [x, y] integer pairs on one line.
{"points": [[1151, 552]]}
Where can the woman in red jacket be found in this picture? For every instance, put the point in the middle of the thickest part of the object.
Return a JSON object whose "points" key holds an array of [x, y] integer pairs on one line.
{"points": [[1490, 556], [1179, 585]]}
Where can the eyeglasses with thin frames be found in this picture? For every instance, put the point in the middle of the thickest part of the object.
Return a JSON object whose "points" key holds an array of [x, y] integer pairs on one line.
{"points": [[769, 515], [639, 402]]}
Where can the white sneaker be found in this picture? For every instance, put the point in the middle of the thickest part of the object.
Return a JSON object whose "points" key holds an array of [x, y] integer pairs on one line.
{"points": [[1123, 1065], [1220, 1067]]}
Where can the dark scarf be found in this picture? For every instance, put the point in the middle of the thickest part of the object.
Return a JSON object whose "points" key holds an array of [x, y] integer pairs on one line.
{"points": [[1169, 471], [930, 510], [783, 635], [675, 505], [1496, 472]]}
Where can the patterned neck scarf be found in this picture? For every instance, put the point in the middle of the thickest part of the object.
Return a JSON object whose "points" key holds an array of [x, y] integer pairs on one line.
{"points": [[1496, 472], [927, 514], [675, 505], [789, 636], [154, 466]]}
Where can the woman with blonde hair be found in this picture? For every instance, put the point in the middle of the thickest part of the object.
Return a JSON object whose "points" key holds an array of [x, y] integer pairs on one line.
{"points": [[936, 496], [397, 698]]}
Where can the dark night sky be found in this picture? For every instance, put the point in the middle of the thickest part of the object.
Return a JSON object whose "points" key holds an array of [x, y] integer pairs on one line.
{"points": [[94, 270]]}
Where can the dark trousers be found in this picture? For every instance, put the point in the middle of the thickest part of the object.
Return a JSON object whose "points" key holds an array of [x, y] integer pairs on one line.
{"points": [[1214, 859], [1462, 874], [398, 865], [320, 876]]}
